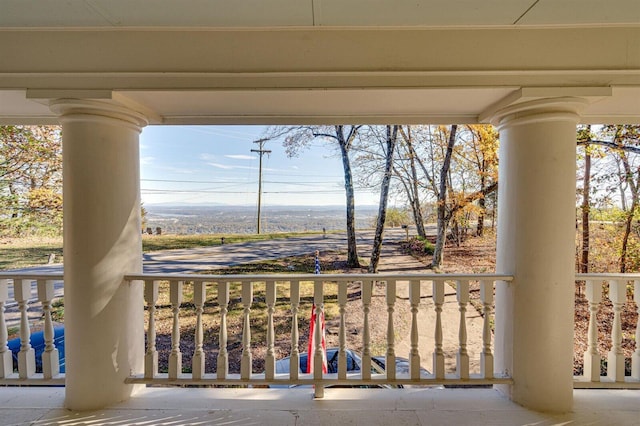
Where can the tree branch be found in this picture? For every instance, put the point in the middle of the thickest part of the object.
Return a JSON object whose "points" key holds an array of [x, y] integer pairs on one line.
{"points": [[471, 198], [612, 145]]}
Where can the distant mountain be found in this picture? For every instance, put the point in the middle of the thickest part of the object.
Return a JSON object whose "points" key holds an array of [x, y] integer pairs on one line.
{"points": [[226, 219], [173, 205]]}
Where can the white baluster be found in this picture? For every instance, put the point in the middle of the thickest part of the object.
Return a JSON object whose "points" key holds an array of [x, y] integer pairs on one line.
{"points": [[294, 359], [6, 360], [462, 359], [593, 292], [197, 362], [175, 357], [222, 369], [367, 289], [247, 299], [438, 353], [151, 355], [635, 358], [26, 356], [414, 354], [318, 356], [50, 357], [270, 360], [615, 360], [390, 359], [486, 357], [342, 333]]}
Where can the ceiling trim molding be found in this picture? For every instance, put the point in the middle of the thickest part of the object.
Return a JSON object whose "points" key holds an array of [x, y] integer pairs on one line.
{"points": [[294, 119], [528, 94], [319, 28], [357, 73], [90, 84], [68, 94]]}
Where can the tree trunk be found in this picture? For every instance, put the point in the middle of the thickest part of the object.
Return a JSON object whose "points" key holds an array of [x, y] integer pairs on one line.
{"points": [[438, 251], [352, 250], [414, 203], [417, 209], [625, 242], [493, 213], [417, 217], [483, 208], [635, 199], [586, 185], [480, 225], [384, 197]]}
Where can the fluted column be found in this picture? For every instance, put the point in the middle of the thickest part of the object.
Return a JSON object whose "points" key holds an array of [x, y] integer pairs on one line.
{"points": [[536, 244], [102, 242]]}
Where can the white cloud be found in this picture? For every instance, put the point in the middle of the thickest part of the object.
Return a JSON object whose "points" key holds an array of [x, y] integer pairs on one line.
{"points": [[230, 167], [146, 160], [222, 166], [240, 157], [207, 157]]}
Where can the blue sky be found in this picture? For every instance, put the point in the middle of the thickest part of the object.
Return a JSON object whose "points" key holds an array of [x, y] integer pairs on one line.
{"points": [[214, 164]]}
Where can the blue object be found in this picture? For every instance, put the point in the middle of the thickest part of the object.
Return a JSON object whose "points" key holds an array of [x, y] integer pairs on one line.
{"points": [[37, 343]]}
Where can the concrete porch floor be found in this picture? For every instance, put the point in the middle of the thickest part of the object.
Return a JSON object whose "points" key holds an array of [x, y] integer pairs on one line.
{"points": [[174, 406]]}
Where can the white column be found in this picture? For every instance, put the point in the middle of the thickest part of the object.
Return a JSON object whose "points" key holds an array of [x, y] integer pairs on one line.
{"points": [[102, 242], [536, 244]]}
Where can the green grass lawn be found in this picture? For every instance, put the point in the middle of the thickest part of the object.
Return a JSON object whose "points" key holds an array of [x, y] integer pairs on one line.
{"points": [[169, 242], [24, 252], [20, 253]]}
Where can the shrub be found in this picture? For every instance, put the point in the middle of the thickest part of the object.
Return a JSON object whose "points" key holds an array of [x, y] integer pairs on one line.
{"points": [[421, 245], [395, 217], [427, 246]]}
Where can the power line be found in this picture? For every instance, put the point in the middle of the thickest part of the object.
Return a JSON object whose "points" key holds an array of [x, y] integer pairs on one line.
{"points": [[305, 183], [214, 191], [191, 191], [190, 181]]}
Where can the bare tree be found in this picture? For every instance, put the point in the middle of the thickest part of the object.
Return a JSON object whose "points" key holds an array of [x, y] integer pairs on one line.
{"points": [[584, 135], [408, 177], [628, 136], [388, 149], [297, 138], [443, 220]]}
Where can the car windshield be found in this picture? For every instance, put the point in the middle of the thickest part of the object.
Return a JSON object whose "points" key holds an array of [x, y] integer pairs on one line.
{"points": [[353, 363]]}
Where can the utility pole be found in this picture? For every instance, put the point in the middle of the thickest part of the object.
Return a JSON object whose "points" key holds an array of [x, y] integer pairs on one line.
{"points": [[261, 151]]}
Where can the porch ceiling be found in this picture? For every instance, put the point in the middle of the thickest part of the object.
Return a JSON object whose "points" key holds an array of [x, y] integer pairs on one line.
{"points": [[278, 13], [320, 106], [320, 61]]}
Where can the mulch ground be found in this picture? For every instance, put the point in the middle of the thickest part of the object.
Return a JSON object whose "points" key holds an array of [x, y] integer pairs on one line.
{"points": [[354, 319], [475, 255]]}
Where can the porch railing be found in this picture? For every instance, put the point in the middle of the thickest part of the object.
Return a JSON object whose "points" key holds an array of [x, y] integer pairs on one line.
{"points": [[25, 294], [26, 302], [610, 299], [247, 298]]}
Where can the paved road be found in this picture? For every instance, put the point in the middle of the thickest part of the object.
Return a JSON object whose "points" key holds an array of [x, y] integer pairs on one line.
{"points": [[205, 258]]}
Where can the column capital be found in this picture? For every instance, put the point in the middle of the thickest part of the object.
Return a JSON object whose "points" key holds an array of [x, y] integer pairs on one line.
{"points": [[107, 112], [540, 110]]}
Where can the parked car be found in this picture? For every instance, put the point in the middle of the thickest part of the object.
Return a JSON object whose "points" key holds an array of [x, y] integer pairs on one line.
{"points": [[37, 343], [354, 361]]}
